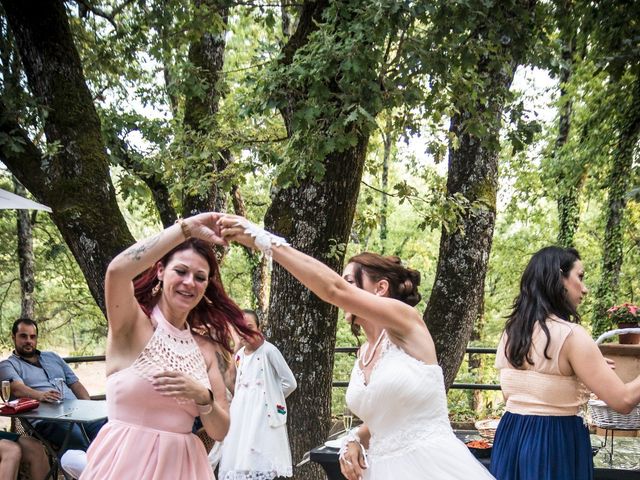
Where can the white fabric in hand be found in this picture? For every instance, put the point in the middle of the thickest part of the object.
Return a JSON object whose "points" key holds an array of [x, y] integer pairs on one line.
{"points": [[263, 240]]}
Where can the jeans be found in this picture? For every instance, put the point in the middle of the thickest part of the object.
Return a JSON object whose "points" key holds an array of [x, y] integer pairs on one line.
{"points": [[55, 433]]}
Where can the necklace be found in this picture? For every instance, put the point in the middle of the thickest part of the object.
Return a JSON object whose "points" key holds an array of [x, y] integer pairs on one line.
{"points": [[366, 362]]}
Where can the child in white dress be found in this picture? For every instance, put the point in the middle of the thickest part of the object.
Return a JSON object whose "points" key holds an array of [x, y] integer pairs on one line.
{"points": [[257, 445]]}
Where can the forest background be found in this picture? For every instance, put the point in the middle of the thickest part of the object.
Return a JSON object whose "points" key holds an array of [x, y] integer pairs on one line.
{"points": [[391, 126]]}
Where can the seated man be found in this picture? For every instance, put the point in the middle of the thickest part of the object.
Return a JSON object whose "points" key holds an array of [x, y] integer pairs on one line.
{"points": [[32, 372]]}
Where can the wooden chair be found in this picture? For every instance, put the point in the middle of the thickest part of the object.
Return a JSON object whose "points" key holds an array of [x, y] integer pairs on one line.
{"points": [[206, 439]]}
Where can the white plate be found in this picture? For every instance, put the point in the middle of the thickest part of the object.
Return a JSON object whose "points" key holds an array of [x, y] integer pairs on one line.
{"points": [[337, 443]]}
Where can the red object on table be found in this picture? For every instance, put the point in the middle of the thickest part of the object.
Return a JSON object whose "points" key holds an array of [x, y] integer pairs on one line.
{"points": [[21, 405]]}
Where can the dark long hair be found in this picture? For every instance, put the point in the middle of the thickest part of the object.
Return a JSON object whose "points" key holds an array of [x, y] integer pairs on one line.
{"points": [[542, 293], [215, 318]]}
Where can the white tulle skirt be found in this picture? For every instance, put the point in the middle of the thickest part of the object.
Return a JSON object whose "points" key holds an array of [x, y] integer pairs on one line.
{"points": [[439, 457]]}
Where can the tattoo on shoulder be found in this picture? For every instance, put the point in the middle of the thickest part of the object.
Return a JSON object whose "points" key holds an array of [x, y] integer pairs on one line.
{"points": [[136, 251], [223, 363]]}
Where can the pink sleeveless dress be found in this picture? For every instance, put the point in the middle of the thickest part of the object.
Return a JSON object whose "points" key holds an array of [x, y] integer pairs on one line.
{"points": [[148, 436]]}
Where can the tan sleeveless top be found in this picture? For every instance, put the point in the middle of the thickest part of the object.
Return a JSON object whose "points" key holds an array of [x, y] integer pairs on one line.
{"points": [[541, 389]]}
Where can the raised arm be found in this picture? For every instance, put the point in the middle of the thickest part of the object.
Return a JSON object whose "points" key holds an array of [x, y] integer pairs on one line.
{"points": [[122, 307], [397, 317]]}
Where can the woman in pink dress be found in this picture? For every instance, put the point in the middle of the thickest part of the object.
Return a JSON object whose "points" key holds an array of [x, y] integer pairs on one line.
{"points": [[169, 319]]}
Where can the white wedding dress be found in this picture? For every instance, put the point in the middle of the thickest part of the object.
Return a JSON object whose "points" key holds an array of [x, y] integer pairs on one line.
{"points": [[405, 407]]}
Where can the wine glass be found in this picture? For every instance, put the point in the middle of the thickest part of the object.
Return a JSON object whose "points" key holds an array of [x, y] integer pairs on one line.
{"points": [[5, 391], [347, 419]]}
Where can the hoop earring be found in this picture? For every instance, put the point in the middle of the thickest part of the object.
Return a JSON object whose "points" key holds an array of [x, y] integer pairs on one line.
{"points": [[206, 300], [155, 291]]}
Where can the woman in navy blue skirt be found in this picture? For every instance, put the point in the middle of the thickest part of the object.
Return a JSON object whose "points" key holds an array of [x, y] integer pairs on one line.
{"points": [[548, 364]]}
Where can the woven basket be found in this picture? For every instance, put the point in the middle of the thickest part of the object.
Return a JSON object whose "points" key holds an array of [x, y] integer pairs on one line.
{"points": [[487, 428], [604, 416]]}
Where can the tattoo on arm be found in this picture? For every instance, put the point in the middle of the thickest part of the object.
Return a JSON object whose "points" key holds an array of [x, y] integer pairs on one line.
{"points": [[136, 251], [228, 374], [223, 364]]}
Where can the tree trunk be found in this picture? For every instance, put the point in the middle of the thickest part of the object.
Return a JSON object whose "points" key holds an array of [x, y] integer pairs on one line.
{"points": [[458, 290], [569, 183], [387, 138], [207, 56], [25, 258], [259, 266], [619, 184], [475, 361], [315, 216], [74, 180], [301, 325], [153, 179]]}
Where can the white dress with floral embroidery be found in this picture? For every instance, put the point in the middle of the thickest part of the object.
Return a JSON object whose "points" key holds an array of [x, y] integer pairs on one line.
{"points": [[405, 407], [257, 446]]}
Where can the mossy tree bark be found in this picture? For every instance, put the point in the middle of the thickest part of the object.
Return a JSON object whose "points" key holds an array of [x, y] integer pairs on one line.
{"points": [[572, 177], [73, 179], [312, 217], [207, 57], [259, 267], [619, 185], [25, 258], [315, 215], [456, 300]]}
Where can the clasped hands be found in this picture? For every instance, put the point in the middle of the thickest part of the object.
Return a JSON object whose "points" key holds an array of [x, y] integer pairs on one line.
{"points": [[219, 228], [352, 461]]}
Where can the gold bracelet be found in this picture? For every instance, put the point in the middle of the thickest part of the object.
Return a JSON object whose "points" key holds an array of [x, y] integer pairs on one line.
{"points": [[186, 231]]}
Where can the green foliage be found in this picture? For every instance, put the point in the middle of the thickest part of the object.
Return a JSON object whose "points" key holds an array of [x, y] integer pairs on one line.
{"points": [[410, 66], [67, 314]]}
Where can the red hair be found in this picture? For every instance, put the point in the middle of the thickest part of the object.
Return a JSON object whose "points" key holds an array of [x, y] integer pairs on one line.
{"points": [[214, 318]]}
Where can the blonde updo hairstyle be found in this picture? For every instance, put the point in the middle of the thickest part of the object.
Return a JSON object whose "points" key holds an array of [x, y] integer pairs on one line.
{"points": [[403, 281]]}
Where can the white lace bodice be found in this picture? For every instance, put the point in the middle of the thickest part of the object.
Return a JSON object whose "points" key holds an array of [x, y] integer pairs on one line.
{"points": [[403, 404], [171, 349]]}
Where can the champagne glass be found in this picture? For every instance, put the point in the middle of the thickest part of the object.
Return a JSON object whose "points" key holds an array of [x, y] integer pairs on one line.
{"points": [[5, 391], [347, 419]]}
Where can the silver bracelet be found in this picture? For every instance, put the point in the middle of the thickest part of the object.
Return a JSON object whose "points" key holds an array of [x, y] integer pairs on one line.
{"points": [[201, 407], [352, 437]]}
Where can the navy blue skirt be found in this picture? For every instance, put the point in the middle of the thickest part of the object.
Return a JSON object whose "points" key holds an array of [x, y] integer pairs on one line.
{"points": [[534, 447]]}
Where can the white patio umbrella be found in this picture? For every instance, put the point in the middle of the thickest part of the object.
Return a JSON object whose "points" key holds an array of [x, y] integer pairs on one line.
{"points": [[11, 200]]}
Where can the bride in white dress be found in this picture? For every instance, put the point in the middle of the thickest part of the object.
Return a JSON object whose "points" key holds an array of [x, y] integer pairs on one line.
{"points": [[396, 386]]}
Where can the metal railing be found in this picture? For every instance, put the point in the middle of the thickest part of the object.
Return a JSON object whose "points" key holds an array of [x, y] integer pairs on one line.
{"points": [[86, 359], [339, 383], [459, 386]]}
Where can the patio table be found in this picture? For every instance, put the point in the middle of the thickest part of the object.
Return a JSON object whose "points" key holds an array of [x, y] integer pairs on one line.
{"points": [[71, 412]]}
